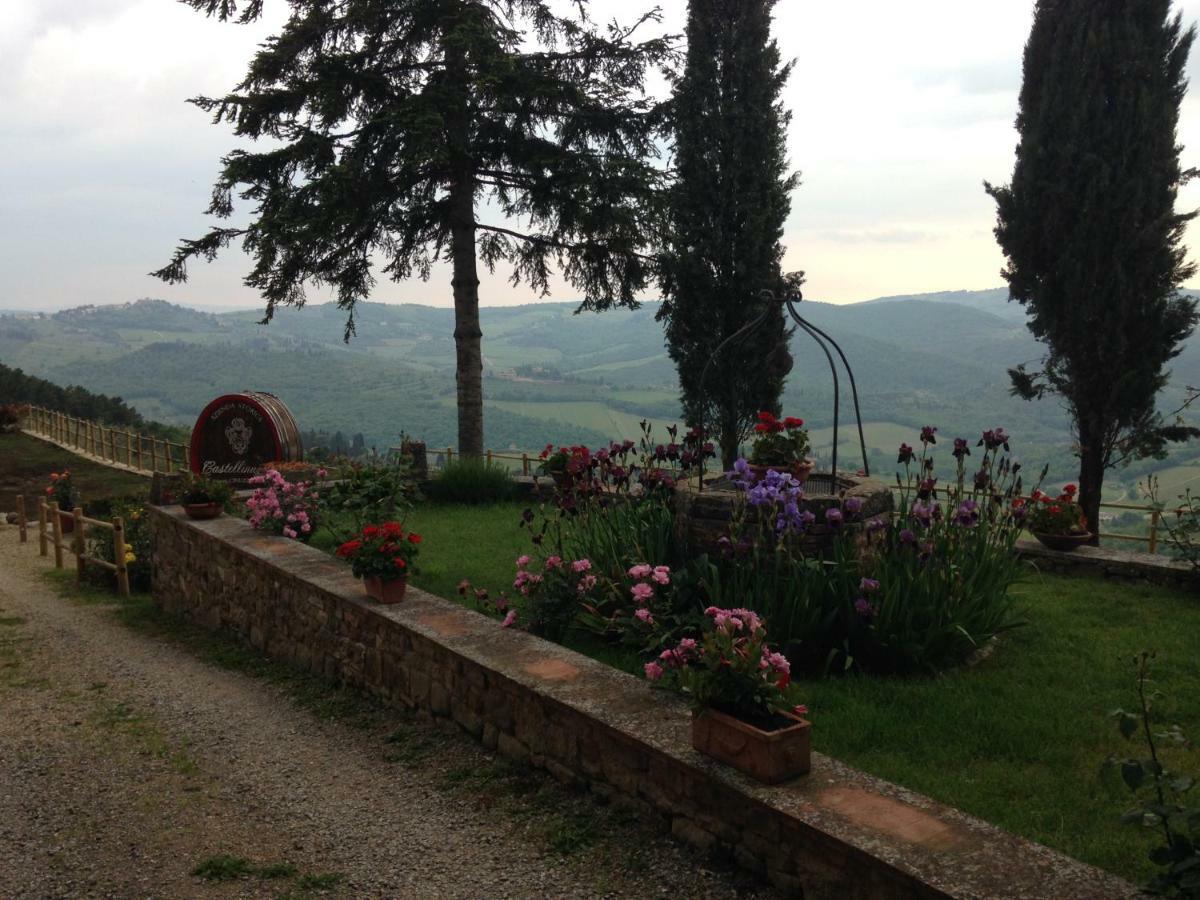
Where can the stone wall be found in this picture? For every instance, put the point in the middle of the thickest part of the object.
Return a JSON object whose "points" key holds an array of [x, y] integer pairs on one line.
{"points": [[1108, 563], [834, 833]]}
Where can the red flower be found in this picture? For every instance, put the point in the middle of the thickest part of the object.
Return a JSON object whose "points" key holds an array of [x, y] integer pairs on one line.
{"points": [[766, 417], [761, 429], [371, 531], [1070, 490], [399, 562], [393, 529], [348, 549], [791, 423], [414, 538], [1055, 510]]}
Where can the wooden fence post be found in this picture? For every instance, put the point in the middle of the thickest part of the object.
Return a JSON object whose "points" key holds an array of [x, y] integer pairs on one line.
{"points": [[153, 454], [129, 449], [524, 463], [449, 455], [21, 518], [77, 542], [118, 537], [43, 549], [1154, 517], [489, 457], [56, 531]]}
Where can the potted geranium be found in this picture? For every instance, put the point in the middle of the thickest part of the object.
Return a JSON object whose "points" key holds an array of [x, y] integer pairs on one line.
{"points": [[781, 444], [382, 556], [204, 498], [1058, 522], [746, 711], [61, 491]]}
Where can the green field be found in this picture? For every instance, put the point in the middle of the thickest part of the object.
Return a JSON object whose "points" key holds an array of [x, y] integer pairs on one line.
{"points": [[26, 464], [615, 423]]}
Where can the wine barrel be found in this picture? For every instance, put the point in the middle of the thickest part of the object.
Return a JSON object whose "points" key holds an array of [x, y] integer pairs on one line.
{"points": [[239, 435]]}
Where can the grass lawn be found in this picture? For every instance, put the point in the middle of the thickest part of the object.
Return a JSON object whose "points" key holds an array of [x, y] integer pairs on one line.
{"points": [[26, 464], [1018, 740]]}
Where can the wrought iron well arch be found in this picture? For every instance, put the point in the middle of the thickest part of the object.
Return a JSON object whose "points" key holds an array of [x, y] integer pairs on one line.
{"points": [[823, 340]]}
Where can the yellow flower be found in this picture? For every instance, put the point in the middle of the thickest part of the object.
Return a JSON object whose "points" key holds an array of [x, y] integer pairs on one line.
{"points": [[129, 548], [129, 557], [136, 516]]}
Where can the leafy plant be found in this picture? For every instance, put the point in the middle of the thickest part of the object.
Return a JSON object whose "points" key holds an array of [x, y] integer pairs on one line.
{"points": [[1182, 523], [779, 442], [359, 492], [138, 547], [553, 592], [197, 489], [1160, 794], [382, 551], [472, 481], [731, 669]]}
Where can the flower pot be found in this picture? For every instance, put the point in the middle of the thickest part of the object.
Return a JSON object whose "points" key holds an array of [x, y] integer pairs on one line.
{"points": [[202, 510], [68, 522], [798, 470], [1063, 542], [391, 591], [769, 756]]}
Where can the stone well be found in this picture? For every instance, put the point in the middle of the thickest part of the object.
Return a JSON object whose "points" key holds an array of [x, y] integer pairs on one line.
{"points": [[702, 517]]}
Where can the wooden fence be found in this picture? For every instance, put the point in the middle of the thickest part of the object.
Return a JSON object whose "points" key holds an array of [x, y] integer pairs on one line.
{"points": [[140, 452], [51, 533], [1152, 540]]}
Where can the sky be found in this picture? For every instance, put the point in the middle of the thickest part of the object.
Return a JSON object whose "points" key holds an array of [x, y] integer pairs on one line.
{"points": [[900, 112]]}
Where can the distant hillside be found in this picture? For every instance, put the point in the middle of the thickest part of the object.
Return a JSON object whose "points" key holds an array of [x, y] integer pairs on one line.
{"points": [[551, 375]]}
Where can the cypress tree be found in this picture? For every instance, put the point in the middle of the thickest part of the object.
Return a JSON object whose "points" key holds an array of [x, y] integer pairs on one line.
{"points": [[394, 125], [727, 211], [1088, 225]]}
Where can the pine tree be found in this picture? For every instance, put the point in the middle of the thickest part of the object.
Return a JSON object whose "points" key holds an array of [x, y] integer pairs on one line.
{"points": [[412, 131], [1088, 225], [727, 212]]}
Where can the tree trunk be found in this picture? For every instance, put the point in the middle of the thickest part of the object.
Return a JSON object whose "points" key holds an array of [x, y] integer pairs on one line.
{"points": [[1091, 482], [468, 337]]}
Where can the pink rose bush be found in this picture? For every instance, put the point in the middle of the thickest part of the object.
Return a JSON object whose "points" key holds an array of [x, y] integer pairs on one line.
{"points": [[281, 506]]}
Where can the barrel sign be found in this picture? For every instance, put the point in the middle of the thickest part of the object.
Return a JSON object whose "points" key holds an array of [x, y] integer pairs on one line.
{"points": [[238, 435]]}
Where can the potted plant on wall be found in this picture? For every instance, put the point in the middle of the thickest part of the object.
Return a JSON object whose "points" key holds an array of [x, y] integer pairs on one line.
{"points": [[1058, 522], [564, 464], [62, 491], [382, 556], [204, 498], [781, 444], [746, 711]]}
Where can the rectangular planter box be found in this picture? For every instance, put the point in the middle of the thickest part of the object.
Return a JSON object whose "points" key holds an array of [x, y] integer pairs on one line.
{"points": [[769, 756]]}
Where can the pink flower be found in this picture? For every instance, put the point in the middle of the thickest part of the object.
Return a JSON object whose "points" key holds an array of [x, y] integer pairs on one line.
{"points": [[653, 671], [641, 570], [687, 645], [523, 561], [643, 615], [322, 473], [509, 619], [642, 592], [581, 565], [553, 562], [779, 663], [662, 575], [586, 583]]}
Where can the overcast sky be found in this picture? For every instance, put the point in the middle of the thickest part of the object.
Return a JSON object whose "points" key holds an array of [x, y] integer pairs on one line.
{"points": [[901, 110]]}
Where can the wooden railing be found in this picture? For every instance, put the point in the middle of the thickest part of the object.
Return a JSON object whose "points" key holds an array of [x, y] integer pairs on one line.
{"points": [[139, 452], [50, 534]]}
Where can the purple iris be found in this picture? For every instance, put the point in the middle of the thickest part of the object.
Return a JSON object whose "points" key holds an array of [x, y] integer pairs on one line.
{"points": [[907, 536], [960, 448], [868, 585], [906, 455], [834, 517], [967, 514], [863, 608], [927, 435], [877, 524], [853, 505]]}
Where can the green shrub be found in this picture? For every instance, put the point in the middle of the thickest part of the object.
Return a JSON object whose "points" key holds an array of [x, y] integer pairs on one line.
{"points": [[137, 539], [472, 481]]}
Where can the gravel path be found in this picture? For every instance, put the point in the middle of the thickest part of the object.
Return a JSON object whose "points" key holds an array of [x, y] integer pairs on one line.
{"points": [[126, 760]]}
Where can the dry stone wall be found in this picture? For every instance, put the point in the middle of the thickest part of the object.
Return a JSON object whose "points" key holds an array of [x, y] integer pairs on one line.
{"points": [[835, 833]]}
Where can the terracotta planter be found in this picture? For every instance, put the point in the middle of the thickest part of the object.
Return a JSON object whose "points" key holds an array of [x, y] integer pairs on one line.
{"points": [[202, 510], [798, 470], [68, 522], [1063, 542], [386, 591], [769, 756]]}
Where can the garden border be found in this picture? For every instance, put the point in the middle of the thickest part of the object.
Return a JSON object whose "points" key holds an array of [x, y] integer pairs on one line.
{"points": [[836, 832], [1108, 563]]}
